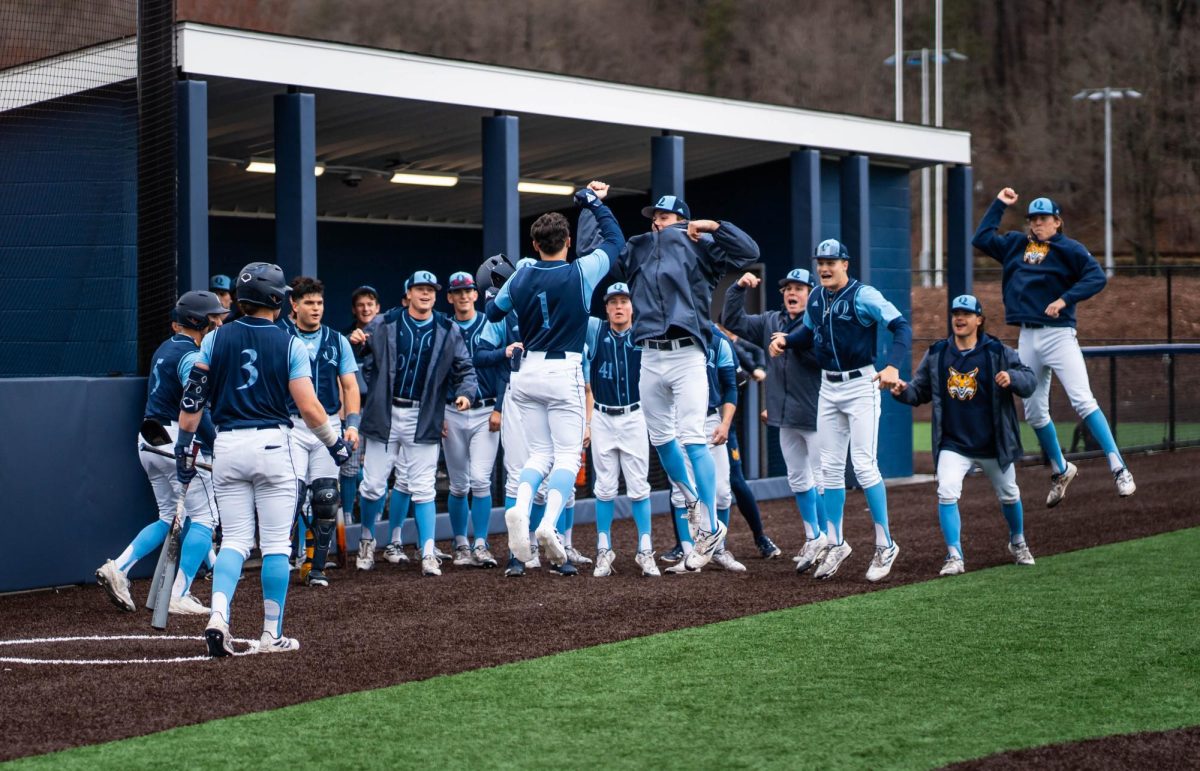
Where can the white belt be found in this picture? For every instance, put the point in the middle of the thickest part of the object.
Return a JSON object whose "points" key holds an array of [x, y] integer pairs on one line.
{"points": [[557, 356]]}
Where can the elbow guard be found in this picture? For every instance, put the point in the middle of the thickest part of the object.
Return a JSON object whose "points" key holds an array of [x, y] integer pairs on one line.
{"points": [[195, 391]]}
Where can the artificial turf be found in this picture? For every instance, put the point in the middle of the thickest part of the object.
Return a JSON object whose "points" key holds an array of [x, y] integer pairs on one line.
{"points": [[1085, 644]]}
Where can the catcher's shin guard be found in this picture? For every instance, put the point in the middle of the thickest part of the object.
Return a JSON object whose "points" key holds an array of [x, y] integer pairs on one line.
{"points": [[325, 505]]}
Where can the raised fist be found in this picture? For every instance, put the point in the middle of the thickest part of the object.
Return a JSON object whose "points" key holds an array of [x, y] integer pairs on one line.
{"points": [[748, 281], [1008, 196], [601, 188]]}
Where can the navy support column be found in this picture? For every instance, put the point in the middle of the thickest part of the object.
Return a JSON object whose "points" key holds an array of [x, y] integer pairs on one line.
{"points": [[192, 170], [805, 205], [296, 184], [501, 170], [666, 166], [960, 271], [856, 214]]}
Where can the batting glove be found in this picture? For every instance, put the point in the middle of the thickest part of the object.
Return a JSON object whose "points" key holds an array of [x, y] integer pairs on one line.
{"points": [[185, 463], [587, 199], [340, 451]]}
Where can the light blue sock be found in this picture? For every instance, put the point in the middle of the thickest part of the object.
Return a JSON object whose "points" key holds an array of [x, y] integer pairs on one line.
{"points": [[877, 502], [1014, 515], [398, 511], [459, 514], [835, 502], [481, 516], [532, 478], [274, 589], [562, 482], [723, 517], [195, 548], [641, 518], [682, 533], [604, 520], [1048, 439], [426, 516], [566, 520], [807, 503], [1097, 424], [349, 487], [226, 573], [509, 502], [371, 510], [671, 458], [951, 523], [536, 512], [147, 540], [706, 479], [820, 499]]}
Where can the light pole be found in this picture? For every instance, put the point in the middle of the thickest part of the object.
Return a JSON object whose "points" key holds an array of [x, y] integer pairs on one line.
{"points": [[1107, 94], [919, 57]]}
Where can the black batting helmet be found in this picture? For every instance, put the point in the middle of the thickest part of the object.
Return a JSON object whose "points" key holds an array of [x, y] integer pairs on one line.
{"points": [[262, 283], [193, 309], [494, 271]]}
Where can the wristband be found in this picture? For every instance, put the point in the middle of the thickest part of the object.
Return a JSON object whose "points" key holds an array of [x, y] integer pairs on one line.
{"points": [[185, 439], [353, 420], [326, 434]]}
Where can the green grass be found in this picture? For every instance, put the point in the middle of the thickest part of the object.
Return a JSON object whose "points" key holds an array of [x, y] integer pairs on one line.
{"points": [[1128, 434], [1085, 644]]}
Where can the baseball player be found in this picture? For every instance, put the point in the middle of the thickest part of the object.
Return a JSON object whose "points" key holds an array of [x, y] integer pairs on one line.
{"points": [[793, 388], [334, 374], [721, 369], [672, 271], [971, 378], [364, 305], [551, 299], [472, 437], [1044, 276], [420, 357], [195, 313], [619, 441], [840, 326], [248, 369], [220, 285]]}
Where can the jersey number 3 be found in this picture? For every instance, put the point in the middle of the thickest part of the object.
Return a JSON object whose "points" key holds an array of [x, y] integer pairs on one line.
{"points": [[248, 365]]}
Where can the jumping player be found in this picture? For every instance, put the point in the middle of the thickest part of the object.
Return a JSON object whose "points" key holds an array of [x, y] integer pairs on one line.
{"points": [[420, 357], [971, 378], [1044, 276], [195, 314], [551, 298], [471, 441], [793, 387], [840, 325], [618, 429], [248, 369], [672, 271], [334, 374]]}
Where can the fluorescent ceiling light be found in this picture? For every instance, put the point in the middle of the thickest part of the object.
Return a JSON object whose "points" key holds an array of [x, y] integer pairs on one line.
{"points": [[425, 178], [545, 188], [268, 167]]}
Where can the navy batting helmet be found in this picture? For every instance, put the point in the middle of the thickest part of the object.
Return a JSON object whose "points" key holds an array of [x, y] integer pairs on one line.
{"points": [[494, 271], [193, 309], [262, 283]]}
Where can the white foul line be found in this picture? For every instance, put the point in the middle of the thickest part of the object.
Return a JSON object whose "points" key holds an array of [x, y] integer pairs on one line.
{"points": [[108, 638]]}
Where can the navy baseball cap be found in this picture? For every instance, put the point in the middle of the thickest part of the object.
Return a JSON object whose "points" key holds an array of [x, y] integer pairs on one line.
{"points": [[461, 280], [669, 203], [220, 282], [422, 278], [797, 276], [967, 302], [619, 289], [831, 249], [1042, 206], [362, 290]]}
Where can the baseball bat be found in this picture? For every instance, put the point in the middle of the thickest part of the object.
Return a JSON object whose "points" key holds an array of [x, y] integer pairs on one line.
{"points": [[166, 582], [152, 596], [147, 448]]}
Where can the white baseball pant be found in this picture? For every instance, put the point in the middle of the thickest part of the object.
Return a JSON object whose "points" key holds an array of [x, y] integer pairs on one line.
{"points": [[200, 505], [1055, 350], [512, 438], [674, 392], [620, 445], [252, 471], [415, 462], [720, 456], [848, 414], [470, 450], [953, 467], [802, 455], [310, 457], [548, 394]]}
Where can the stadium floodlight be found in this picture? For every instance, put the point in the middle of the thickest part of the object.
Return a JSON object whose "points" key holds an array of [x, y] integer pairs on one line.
{"points": [[427, 178], [259, 166], [544, 188], [1107, 94]]}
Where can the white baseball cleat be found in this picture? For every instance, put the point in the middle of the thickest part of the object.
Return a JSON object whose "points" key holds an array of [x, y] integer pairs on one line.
{"points": [[366, 554], [1124, 482], [1021, 554], [809, 553], [604, 563], [394, 553], [518, 534], [1059, 483], [430, 565], [725, 559], [187, 605], [269, 643], [116, 585], [681, 567], [954, 566], [575, 557], [645, 561], [881, 563], [834, 558], [706, 545], [462, 557], [697, 517], [481, 556], [551, 543], [216, 635]]}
